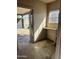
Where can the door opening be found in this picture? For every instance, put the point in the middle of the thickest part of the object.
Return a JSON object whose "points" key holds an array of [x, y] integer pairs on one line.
{"points": [[24, 26]]}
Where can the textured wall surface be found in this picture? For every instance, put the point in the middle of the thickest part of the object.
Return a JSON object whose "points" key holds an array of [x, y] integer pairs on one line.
{"points": [[39, 14], [51, 34], [52, 6]]}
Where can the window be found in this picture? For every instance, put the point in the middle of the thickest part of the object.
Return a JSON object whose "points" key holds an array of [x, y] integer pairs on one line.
{"points": [[53, 16], [19, 21], [23, 21], [26, 21]]}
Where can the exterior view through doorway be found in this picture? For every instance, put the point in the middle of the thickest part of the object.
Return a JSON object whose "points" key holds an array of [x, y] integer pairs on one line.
{"points": [[24, 26]]}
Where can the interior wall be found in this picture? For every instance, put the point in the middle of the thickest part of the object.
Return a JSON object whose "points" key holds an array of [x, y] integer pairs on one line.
{"points": [[53, 6], [58, 48], [51, 34], [39, 14], [39, 18]]}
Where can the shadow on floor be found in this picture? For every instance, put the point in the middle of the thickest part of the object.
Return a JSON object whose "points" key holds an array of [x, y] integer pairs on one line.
{"points": [[40, 50]]}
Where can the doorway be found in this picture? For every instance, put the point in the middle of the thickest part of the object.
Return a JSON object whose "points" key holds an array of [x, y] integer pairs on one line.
{"points": [[24, 26]]}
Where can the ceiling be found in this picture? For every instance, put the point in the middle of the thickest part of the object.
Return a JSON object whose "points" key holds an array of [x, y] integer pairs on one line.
{"points": [[21, 10], [47, 1]]}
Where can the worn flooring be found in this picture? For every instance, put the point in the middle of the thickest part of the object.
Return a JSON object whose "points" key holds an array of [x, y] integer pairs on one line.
{"points": [[40, 50]]}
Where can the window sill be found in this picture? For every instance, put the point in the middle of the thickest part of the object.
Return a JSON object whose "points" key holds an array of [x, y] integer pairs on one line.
{"points": [[49, 28]]}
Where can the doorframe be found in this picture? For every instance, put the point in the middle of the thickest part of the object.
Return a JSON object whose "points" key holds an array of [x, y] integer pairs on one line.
{"points": [[32, 26], [31, 21]]}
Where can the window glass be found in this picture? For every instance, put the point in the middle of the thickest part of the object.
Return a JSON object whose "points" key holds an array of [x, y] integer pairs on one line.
{"points": [[26, 21], [19, 25], [53, 16], [23, 21]]}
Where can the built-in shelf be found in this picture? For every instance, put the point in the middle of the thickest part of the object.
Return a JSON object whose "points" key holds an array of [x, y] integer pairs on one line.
{"points": [[50, 28]]}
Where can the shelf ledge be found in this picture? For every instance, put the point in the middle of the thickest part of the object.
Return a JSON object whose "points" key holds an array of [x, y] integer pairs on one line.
{"points": [[49, 28]]}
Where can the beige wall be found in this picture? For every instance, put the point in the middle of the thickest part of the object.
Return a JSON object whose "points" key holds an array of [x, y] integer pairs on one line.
{"points": [[53, 6], [58, 49], [51, 34], [39, 18], [39, 14], [58, 43]]}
